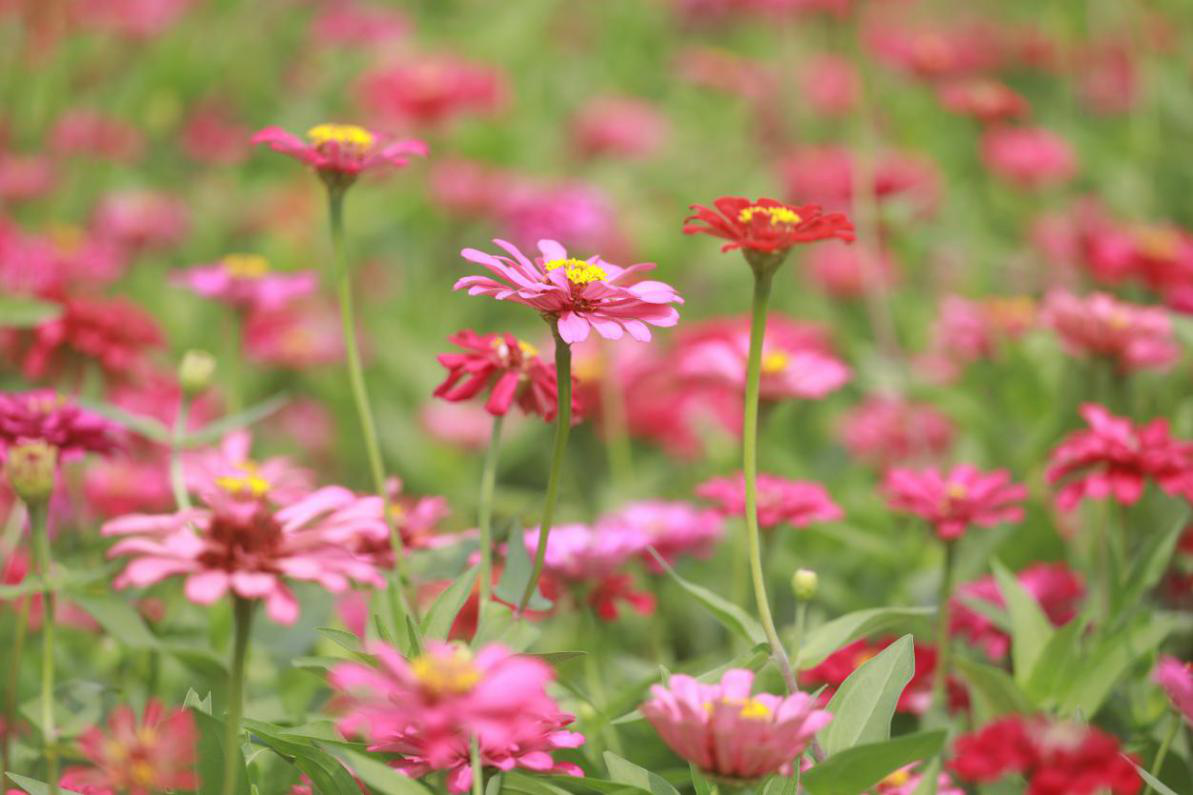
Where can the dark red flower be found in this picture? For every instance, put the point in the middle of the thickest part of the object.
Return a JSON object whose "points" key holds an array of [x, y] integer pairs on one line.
{"points": [[766, 226]]}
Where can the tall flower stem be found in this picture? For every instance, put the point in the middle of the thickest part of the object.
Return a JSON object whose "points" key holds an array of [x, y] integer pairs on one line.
{"points": [[563, 425], [38, 514], [14, 679], [485, 518], [762, 285], [335, 205], [177, 478], [1162, 754], [943, 641], [474, 761], [243, 620]]}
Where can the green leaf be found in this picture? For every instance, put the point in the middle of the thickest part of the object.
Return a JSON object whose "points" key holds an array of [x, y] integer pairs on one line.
{"points": [[211, 752], [381, 778], [150, 428], [1056, 663], [493, 785], [779, 785], [217, 430], [30, 785], [500, 626], [18, 311], [993, 691], [1152, 562], [557, 658], [857, 769], [531, 785], [827, 638], [700, 784], [624, 771], [120, 620], [863, 706], [1030, 628], [733, 617], [437, 623], [516, 574], [326, 772], [929, 778], [61, 581], [1156, 784]]}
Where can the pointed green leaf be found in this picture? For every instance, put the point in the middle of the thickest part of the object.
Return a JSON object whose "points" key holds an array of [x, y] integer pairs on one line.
{"points": [[30, 785], [217, 430], [437, 623], [517, 571], [624, 771], [827, 638], [19, 311], [700, 784], [149, 427], [1030, 628], [863, 706], [857, 769], [733, 617], [992, 690], [119, 619], [1155, 783]]}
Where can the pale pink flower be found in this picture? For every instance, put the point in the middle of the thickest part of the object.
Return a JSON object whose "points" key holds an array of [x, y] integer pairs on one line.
{"points": [[356, 24], [780, 501], [1028, 157], [97, 136], [579, 294], [1134, 337], [724, 730], [844, 271], [619, 127], [580, 552], [142, 220], [299, 336], [672, 528], [155, 754], [213, 135], [135, 19], [340, 152], [231, 468], [888, 431], [465, 425], [25, 177], [121, 485], [428, 708], [953, 501], [238, 543], [530, 211], [829, 83], [246, 282], [1176, 678]]}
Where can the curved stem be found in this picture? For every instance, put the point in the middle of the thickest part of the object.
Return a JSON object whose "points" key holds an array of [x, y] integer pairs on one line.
{"points": [[485, 519], [38, 514], [243, 612], [1162, 754], [762, 284], [563, 425], [943, 641], [177, 476], [335, 205]]}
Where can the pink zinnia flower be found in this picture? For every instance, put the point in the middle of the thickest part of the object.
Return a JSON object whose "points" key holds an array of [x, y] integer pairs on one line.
{"points": [[619, 127], [1029, 157], [578, 212], [1176, 678], [356, 24], [672, 528], [780, 501], [1133, 337], [594, 558], [246, 282], [984, 99], [888, 431], [430, 90], [953, 501], [238, 543], [724, 730], [1058, 590], [579, 294], [844, 271], [43, 415], [231, 468], [1114, 457], [341, 152], [116, 486], [826, 174], [97, 136], [212, 134], [765, 226], [142, 220], [298, 336], [511, 369], [907, 781], [427, 709], [830, 84], [155, 754]]}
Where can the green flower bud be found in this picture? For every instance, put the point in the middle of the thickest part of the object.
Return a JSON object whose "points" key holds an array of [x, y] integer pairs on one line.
{"points": [[803, 584], [195, 371], [31, 468]]}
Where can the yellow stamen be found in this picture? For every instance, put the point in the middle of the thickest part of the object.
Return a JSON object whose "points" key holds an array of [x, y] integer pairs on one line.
{"points": [[750, 708], [245, 266], [250, 482], [342, 134], [143, 775], [896, 779], [528, 350], [778, 215], [1158, 242], [441, 675], [775, 362], [578, 271], [956, 491]]}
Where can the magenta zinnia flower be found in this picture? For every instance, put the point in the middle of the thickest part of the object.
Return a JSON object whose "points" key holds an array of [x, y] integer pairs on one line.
{"points": [[231, 468], [1114, 457], [953, 501], [245, 282], [886, 431], [726, 731], [239, 543], [43, 415], [672, 528], [155, 754], [1133, 337], [578, 294], [510, 367], [1176, 678], [428, 708], [340, 152], [780, 501]]}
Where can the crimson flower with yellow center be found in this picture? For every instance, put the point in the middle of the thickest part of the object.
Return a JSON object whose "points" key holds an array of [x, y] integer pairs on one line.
{"points": [[766, 226]]}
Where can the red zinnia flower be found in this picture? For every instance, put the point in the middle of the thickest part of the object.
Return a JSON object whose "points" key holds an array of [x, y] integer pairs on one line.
{"points": [[766, 226], [513, 369]]}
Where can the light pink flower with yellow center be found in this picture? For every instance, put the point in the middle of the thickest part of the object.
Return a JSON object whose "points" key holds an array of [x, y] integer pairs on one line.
{"points": [[247, 282], [156, 754], [340, 152], [230, 468], [727, 732]]}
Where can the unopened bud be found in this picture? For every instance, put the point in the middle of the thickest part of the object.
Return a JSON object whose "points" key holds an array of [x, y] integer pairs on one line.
{"points": [[30, 469], [195, 371], [804, 583]]}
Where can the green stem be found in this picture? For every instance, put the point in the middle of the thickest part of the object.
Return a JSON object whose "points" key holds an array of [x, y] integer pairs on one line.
{"points": [[14, 679], [177, 478], [38, 514], [478, 773], [563, 425], [762, 284], [402, 604], [243, 612], [943, 641], [1162, 754], [485, 519], [801, 620]]}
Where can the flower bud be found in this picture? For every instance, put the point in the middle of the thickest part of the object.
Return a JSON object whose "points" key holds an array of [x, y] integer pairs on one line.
{"points": [[30, 469], [195, 371], [804, 583]]}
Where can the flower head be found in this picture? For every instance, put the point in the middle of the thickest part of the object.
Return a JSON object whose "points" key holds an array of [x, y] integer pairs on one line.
{"points": [[246, 282], [725, 730], [229, 469], [1133, 337], [765, 226], [953, 501], [672, 528], [984, 99], [579, 294], [780, 501], [43, 415], [1176, 678], [888, 431], [1028, 157], [341, 152], [155, 754]]}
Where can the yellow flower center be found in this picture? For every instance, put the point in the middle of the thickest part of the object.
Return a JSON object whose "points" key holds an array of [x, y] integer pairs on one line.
{"points": [[750, 708], [142, 775], [1119, 319], [528, 350], [446, 675], [896, 779], [342, 134], [775, 362], [778, 215], [1157, 241], [249, 481], [67, 237], [578, 271], [956, 491], [245, 266]]}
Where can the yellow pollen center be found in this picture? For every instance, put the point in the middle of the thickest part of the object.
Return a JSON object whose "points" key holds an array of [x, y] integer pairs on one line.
{"points": [[955, 491], [896, 779], [67, 237], [528, 350], [778, 215], [250, 481], [775, 362], [750, 708], [578, 271], [454, 674], [245, 266], [1118, 319], [342, 134], [142, 775], [1157, 241]]}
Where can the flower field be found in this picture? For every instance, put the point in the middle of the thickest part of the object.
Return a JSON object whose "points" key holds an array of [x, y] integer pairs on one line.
{"points": [[648, 397]]}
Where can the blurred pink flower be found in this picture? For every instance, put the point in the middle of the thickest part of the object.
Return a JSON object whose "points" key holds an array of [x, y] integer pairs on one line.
{"points": [[430, 90], [142, 220], [530, 211], [579, 294], [953, 501], [136, 19], [618, 127], [780, 501], [1134, 337], [1057, 588], [916, 697], [889, 431], [212, 135], [968, 330], [155, 754], [44, 415], [466, 425], [987, 100], [1176, 678], [511, 369], [1028, 157], [230, 468], [1107, 75], [580, 552], [341, 152], [355, 24], [848, 271], [96, 135], [826, 175], [246, 282], [299, 336], [25, 177], [672, 528], [931, 51], [908, 781], [829, 83], [724, 730], [124, 485], [1114, 458], [427, 709], [238, 543]]}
